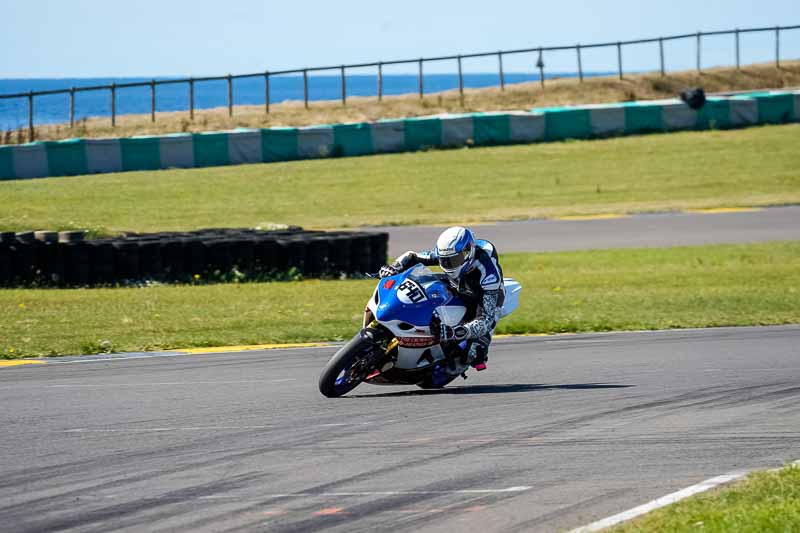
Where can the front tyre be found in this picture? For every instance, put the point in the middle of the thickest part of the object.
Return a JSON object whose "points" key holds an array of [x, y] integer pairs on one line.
{"points": [[349, 366]]}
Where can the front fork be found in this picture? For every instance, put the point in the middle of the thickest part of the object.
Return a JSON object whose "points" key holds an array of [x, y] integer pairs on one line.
{"points": [[385, 352]]}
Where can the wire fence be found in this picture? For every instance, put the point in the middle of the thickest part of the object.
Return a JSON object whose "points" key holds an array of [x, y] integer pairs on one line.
{"points": [[267, 75]]}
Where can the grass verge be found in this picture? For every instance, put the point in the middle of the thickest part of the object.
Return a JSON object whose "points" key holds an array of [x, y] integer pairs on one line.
{"points": [[756, 166], [723, 285], [359, 109], [764, 501]]}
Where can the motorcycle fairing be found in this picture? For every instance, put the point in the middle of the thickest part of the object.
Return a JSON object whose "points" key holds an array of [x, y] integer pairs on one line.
{"points": [[404, 304]]}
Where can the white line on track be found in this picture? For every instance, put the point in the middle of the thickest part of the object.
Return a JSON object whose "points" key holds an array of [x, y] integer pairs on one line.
{"points": [[660, 502]]}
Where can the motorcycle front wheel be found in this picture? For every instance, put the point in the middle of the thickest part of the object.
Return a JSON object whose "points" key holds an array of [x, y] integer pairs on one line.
{"points": [[349, 366]]}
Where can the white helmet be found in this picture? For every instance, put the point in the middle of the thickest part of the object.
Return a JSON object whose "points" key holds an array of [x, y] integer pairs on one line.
{"points": [[456, 250]]}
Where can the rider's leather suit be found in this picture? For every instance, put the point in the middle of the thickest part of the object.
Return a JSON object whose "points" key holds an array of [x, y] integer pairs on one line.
{"points": [[481, 288]]}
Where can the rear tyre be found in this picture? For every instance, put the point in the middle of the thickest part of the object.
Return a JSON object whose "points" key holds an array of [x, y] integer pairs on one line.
{"points": [[349, 366]]}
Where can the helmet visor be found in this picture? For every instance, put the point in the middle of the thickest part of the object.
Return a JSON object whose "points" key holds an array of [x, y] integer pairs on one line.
{"points": [[454, 262]]}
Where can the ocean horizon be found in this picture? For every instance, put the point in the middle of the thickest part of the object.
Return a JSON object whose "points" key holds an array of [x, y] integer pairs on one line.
{"points": [[54, 109]]}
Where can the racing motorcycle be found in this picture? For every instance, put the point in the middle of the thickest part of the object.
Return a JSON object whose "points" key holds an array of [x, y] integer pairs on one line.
{"points": [[399, 343]]}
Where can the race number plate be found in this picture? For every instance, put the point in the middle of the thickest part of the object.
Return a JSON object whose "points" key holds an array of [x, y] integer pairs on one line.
{"points": [[410, 293]]}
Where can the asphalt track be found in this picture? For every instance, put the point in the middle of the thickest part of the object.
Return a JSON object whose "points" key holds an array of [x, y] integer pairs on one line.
{"points": [[636, 231], [559, 432]]}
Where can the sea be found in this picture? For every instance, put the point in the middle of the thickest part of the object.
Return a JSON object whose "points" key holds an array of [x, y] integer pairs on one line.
{"points": [[51, 109]]}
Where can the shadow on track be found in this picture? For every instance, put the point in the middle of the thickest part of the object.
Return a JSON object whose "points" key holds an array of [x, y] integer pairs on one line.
{"points": [[493, 389]]}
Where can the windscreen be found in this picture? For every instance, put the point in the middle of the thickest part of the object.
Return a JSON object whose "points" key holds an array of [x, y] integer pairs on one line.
{"points": [[428, 280]]}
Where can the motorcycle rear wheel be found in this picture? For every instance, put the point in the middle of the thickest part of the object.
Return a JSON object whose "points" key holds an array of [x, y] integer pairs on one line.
{"points": [[348, 367]]}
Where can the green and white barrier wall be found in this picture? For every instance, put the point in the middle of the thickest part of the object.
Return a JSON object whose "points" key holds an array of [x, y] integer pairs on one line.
{"points": [[191, 150]]}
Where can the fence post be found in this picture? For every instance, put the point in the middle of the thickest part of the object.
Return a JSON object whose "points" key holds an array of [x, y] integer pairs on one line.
{"points": [[266, 91], [380, 81], [502, 72], [661, 54], [30, 117], [113, 105], [619, 58], [777, 47], [421, 85], [305, 87], [698, 51], [736, 32], [460, 83], [344, 87], [72, 107], [230, 95], [191, 98], [580, 63], [540, 66], [152, 100]]}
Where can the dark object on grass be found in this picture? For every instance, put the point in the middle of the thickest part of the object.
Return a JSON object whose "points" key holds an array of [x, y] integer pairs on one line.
{"points": [[172, 257], [26, 237], [180, 256], [359, 252], [126, 259], [292, 254], [317, 253], [264, 254], [150, 263], [21, 261], [694, 97], [378, 251], [339, 254], [101, 260], [70, 236], [6, 266], [194, 256], [48, 261]]}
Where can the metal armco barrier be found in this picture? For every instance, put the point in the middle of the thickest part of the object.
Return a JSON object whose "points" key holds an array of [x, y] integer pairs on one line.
{"points": [[379, 65], [203, 255]]}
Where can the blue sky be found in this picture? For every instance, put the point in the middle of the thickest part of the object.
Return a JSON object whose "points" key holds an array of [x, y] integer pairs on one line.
{"points": [[93, 38]]}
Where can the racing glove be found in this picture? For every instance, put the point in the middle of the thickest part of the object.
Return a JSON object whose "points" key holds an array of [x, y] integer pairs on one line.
{"points": [[386, 271], [449, 333]]}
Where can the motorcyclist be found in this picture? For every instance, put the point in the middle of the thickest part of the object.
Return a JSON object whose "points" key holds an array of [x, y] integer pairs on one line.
{"points": [[473, 269]]}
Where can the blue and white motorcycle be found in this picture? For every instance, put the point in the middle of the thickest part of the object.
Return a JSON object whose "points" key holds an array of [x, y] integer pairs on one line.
{"points": [[398, 343]]}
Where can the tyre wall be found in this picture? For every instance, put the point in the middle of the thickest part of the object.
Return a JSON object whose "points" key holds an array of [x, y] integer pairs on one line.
{"points": [[213, 254]]}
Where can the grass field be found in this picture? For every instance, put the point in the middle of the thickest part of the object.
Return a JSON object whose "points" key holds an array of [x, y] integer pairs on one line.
{"points": [[359, 109], [755, 166], [765, 501], [723, 285]]}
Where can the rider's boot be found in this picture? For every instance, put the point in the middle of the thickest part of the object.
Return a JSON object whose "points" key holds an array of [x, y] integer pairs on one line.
{"points": [[479, 353]]}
